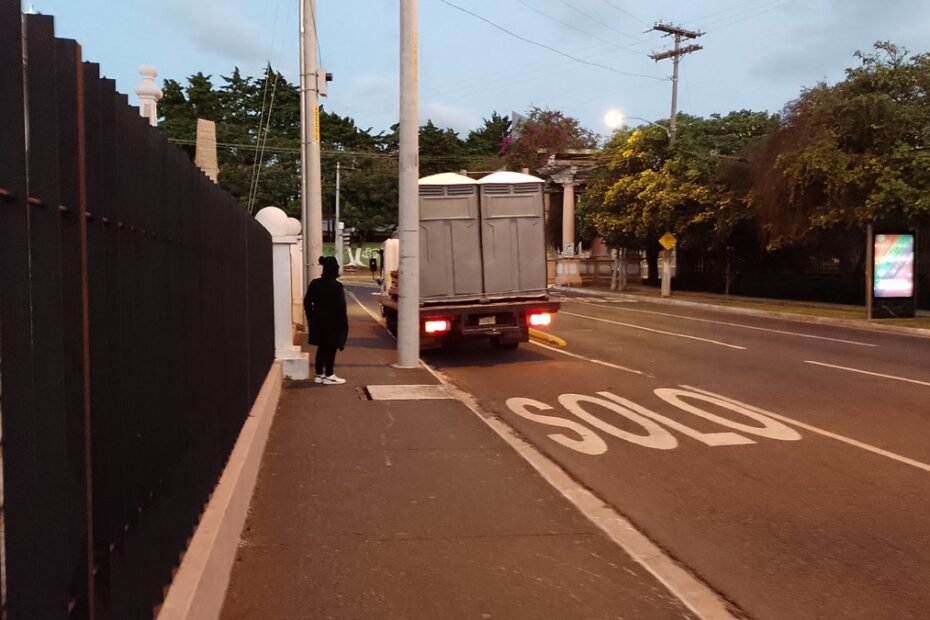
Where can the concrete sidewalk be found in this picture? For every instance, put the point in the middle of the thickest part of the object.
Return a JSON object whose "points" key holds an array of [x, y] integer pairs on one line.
{"points": [[416, 509]]}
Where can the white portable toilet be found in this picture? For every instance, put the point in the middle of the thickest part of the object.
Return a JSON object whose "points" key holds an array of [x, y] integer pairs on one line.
{"points": [[450, 238], [513, 235]]}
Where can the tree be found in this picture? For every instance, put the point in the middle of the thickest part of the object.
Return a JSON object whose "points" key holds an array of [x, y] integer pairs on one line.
{"points": [[485, 145], [695, 189], [543, 133], [441, 150], [257, 129], [851, 154]]}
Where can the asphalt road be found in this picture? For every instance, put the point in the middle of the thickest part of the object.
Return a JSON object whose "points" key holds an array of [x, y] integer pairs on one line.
{"points": [[786, 465]]}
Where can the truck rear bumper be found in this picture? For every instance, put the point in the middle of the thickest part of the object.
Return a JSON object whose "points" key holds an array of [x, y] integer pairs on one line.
{"points": [[503, 322]]}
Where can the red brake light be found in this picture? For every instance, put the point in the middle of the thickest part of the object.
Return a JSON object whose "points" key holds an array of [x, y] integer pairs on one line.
{"points": [[538, 319], [435, 326]]}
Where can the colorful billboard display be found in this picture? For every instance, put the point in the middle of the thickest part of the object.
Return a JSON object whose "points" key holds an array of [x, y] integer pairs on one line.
{"points": [[894, 266]]}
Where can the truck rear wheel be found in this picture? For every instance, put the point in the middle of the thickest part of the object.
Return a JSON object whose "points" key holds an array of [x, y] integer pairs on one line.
{"points": [[390, 320], [506, 345]]}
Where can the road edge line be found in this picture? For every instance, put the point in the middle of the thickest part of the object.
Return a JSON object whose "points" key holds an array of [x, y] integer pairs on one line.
{"points": [[694, 594]]}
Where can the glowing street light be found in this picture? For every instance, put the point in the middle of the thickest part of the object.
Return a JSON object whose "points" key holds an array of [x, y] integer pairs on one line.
{"points": [[615, 119]]}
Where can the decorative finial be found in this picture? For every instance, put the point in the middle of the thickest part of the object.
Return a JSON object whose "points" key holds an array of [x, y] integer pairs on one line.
{"points": [[149, 94]]}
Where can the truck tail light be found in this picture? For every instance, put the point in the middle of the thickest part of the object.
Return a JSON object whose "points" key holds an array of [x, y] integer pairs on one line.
{"points": [[436, 326], [538, 319]]}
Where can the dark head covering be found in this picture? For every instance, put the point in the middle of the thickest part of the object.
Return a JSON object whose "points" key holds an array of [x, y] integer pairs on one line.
{"points": [[330, 266]]}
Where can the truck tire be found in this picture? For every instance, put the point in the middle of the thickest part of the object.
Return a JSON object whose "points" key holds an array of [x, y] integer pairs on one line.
{"points": [[390, 320], [504, 346]]}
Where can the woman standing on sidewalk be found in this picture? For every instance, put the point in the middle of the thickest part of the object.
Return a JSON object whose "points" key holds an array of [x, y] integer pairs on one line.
{"points": [[327, 320]]}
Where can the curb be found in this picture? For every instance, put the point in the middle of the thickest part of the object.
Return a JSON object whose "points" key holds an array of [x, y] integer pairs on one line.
{"points": [[547, 337], [199, 589], [918, 332]]}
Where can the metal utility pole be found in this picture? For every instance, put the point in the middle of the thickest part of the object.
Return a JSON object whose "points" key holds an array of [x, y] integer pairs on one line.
{"points": [[337, 231], [408, 306], [675, 55], [312, 81]]}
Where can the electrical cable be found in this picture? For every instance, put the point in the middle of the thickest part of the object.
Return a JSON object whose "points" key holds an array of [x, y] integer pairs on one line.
{"points": [[547, 47], [601, 23], [581, 30], [625, 12]]}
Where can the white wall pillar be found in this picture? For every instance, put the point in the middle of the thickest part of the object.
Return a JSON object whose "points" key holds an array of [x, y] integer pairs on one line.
{"points": [[149, 94], [567, 268], [294, 362], [297, 276], [568, 217]]}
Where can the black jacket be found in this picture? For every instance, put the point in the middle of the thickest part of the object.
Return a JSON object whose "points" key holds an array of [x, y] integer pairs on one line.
{"points": [[327, 318]]}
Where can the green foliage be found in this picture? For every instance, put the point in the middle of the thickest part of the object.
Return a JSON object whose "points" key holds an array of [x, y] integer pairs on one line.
{"points": [[248, 136], [485, 145], [543, 133], [850, 154], [644, 186]]}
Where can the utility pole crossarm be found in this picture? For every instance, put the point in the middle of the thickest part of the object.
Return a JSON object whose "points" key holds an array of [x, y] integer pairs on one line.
{"points": [[679, 52], [675, 55], [675, 30]]}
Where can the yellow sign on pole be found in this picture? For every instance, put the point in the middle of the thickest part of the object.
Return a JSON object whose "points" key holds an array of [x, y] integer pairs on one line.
{"points": [[668, 241]]}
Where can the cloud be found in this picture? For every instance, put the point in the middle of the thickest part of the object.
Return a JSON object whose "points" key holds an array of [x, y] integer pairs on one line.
{"points": [[444, 115], [217, 27]]}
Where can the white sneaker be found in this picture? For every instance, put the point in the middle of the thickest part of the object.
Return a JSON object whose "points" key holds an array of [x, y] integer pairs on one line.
{"points": [[332, 380], [319, 378]]}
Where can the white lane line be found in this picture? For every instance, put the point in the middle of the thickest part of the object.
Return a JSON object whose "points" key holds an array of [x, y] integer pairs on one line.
{"points": [[587, 359], [866, 372], [685, 586], [761, 329], [847, 440], [365, 308], [655, 331]]}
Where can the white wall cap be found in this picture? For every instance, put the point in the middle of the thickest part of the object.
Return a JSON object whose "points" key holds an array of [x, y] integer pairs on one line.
{"points": [[447, 178], [274, 219], [293, 226], [509, 178]]}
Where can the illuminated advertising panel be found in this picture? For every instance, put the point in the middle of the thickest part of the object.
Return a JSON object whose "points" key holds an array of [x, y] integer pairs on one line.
{"points": [[894, 266]]}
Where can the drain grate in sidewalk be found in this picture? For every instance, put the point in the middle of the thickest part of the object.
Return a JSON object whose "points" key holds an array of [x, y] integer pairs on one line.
{"points": [[407, 392]]}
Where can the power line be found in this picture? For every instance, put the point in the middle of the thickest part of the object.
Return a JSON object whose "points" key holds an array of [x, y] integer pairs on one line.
{"points": [[601, 22], [581, 30], [547, 47], [625, 12]]}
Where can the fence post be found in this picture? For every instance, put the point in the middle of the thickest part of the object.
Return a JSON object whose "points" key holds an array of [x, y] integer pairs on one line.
{"points": [[295, 363]]}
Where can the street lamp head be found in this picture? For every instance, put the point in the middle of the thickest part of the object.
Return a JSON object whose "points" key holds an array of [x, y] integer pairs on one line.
{"points": [[615, 119]]}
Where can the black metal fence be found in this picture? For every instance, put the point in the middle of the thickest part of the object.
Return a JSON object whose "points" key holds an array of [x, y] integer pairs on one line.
{"points": [[136, 329], [810, 273]]}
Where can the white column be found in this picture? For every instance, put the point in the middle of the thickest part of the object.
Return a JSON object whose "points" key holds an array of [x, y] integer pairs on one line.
{"points": [[297, 275], [568, 266], [295, 363], [568, 217]]}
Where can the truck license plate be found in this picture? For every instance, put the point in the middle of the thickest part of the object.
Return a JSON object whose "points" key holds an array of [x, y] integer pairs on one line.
{"points": [[487, 320]]}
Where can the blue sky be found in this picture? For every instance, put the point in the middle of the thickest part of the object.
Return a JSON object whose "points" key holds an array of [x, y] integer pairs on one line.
{"points": [[758, 54]]}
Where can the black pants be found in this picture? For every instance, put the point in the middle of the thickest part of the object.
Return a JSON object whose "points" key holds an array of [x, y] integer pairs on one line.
{"points": [[325, 358]]}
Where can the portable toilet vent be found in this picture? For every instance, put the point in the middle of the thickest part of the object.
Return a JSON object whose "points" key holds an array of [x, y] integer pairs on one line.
{"points": [[450, 239], [513, 235]]}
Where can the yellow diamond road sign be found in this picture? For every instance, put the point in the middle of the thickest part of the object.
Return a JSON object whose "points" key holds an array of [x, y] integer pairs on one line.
{"points": [[668, 241]]}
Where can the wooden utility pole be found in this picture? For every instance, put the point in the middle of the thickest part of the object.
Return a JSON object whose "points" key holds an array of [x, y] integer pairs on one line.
{"points": [[675, 55]]}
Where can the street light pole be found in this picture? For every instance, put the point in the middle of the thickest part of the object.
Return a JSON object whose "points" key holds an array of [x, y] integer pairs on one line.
{"points": [[311, 195], [337, 234], [408, 307], [662, 127]]}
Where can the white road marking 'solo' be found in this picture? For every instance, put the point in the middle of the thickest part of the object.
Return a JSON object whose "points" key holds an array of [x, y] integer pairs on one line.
{"points": [[847, 440]]}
